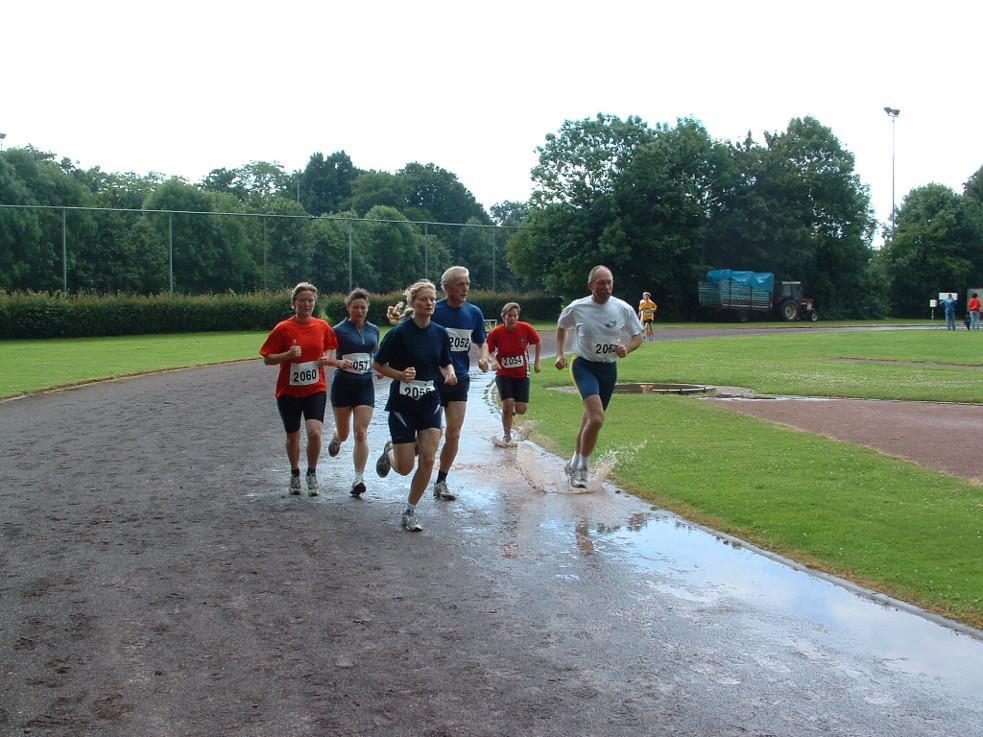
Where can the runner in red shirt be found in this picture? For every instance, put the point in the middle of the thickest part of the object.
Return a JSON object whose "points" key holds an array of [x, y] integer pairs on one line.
{"points": [[302, 346], [509, 344]]}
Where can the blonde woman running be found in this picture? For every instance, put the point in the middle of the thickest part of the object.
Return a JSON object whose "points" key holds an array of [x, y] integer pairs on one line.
{"points": [[416, 355]]}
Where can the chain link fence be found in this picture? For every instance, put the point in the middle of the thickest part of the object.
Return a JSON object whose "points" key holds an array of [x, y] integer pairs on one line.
{"points": [[47, 248]]}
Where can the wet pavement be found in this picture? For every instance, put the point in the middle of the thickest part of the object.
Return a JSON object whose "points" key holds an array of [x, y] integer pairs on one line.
{"points": [[753, 618], [161, 582]]}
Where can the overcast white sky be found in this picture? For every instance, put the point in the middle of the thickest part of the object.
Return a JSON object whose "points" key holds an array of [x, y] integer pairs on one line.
{"points": [[185, 87]]}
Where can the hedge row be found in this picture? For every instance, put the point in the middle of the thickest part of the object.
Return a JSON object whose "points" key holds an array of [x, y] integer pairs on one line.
{"points": [[44, 315]]}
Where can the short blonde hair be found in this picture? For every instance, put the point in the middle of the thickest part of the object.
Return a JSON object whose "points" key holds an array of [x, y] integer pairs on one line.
{"points": [[397, 312], [302, 287], [509, 306]]}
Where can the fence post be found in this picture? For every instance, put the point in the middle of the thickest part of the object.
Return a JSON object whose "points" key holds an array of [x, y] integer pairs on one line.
{"points": [[265, 248], [350, 287], [64, 253], [494, 268], [170, 250], [426, 250]]}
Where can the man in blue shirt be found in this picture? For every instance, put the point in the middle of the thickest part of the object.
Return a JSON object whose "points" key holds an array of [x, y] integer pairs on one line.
{"points": [[466, 325], [949, 305]]}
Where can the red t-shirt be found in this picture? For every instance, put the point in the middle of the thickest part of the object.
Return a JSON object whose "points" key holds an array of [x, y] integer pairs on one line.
{"points": [[300, 377], [511, 348], [974, 304]]}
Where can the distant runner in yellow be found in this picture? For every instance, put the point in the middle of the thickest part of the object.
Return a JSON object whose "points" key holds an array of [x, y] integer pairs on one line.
{"points": [[646, 313]]}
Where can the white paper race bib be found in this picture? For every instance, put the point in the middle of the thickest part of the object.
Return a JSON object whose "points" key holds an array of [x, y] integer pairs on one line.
{"points": [[304, 374], [513, 362], [415, 389], [361, 363], [460, 339]]}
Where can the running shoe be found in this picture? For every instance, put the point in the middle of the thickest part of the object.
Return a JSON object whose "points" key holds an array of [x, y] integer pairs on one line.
{"points": [[440, 491], [334, 446], [410, 522], [507, 438], [568, 467], [358, 488], [579, 478], [311, 484], [383, 465], [294, 484]]}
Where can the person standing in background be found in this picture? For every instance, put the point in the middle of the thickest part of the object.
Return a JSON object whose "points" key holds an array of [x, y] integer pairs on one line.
{"points": [[646, 313]]}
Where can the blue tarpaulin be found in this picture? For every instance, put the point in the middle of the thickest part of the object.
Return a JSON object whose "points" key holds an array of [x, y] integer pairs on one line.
{"points": [[764, 281]]}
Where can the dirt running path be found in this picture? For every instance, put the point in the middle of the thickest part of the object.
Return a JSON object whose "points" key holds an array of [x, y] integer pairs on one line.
{"points": [[157, 581], [945, 437]]}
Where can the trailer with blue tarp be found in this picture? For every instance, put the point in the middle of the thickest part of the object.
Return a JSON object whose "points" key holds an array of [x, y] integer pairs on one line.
{"points": [[747, 292]]}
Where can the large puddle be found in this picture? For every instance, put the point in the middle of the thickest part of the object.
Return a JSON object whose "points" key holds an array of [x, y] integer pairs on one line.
{"points": [[524, 491]]}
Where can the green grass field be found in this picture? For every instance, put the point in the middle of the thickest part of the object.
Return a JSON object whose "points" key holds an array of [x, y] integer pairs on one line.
{"points": [[883, 522]]}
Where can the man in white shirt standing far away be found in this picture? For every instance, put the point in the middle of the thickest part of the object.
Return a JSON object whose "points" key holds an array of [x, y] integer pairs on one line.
{"points": [[605, 329]]}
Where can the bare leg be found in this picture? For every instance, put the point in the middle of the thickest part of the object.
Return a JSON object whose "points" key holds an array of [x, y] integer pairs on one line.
{"points": [[508, 409], [427, 442], [313, 442], [293, 449], [590, 425], [454, 414], [342, 421], [363, 416]]}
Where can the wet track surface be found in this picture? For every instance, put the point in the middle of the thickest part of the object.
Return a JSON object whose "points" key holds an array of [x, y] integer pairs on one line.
{"points": [[160, 582]]}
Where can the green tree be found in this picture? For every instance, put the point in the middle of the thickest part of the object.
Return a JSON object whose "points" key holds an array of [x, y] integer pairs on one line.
{"points": [[393, 246], [436, 194], [932, 249], [374, 188], [584, 160], [326, 183], [796, 207], [655, 238]]}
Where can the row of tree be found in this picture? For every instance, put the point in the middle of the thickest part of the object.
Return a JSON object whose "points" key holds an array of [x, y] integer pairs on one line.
{"points": [[238, 229], [660, 205]]}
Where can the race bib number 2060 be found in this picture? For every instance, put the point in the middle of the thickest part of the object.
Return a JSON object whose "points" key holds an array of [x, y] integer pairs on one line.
{"points": [[304, 374]]}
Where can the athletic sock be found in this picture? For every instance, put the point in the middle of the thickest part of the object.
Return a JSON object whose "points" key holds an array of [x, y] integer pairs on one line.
{"points": [[358, 477], [583, 462], [295, 472], [441, 476], [410, 508], [311, 471]]}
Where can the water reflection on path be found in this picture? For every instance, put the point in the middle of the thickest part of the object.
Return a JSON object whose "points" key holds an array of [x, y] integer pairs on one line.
{"points": [[700, 571]]}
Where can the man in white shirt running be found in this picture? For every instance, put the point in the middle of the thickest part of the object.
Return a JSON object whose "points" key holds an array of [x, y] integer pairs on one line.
{"points": [[605, 329]]}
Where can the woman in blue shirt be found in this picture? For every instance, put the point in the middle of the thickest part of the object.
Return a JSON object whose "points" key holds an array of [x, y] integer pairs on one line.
{"points": [[416, 355], [352, 388]]}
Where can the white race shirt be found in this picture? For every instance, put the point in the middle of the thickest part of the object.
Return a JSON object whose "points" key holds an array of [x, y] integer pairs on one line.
{"points": [[600, 328]]}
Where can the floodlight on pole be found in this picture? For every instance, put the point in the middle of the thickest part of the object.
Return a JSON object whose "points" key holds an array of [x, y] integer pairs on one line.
{"points": [[893, 114], [2, 136]]}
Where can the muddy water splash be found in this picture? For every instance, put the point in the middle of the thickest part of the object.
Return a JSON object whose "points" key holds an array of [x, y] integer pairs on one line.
{"points": [[551, 478]]}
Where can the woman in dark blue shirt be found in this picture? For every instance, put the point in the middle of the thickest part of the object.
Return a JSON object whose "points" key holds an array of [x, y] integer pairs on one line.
{"points": [[416, 355], [352, 388]]}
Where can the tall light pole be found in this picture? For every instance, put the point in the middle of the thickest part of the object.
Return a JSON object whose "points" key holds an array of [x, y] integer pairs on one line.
{"points": [[2, 136], [893, 114]]}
